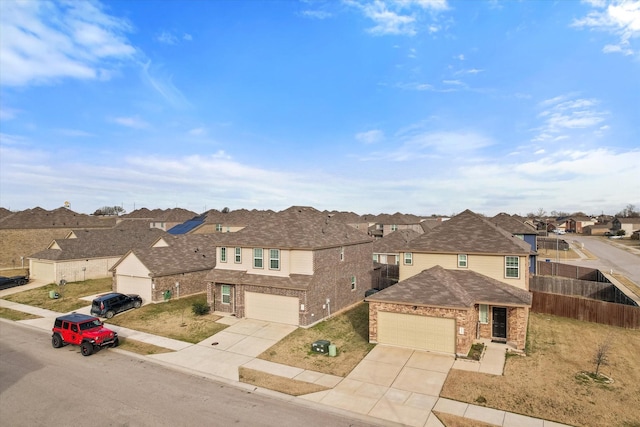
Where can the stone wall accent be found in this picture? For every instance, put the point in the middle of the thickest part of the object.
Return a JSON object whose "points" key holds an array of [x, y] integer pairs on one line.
{"points": [[465, 318], [517, 321]]}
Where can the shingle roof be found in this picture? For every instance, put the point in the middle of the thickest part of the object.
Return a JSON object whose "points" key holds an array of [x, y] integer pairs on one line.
{"points": [[468, 232], [234, 277], [297, 227], [394, 241], [100, 243], [185, 253], [167, 215], [57, 218], [452, 288], [512, 225]]}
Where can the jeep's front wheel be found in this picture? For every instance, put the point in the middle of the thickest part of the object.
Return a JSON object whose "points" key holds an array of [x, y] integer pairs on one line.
{"points": [[86, 348], [116, 343], [109, 314], [56, 341]]}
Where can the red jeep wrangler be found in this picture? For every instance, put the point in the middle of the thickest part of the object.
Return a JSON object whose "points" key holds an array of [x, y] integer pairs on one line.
{"points": [[85, 331]]}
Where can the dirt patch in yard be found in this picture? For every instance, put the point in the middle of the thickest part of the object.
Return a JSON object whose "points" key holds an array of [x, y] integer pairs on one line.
{"points": [[173, 319], [348, 331], [546, 384], [281, 384]]}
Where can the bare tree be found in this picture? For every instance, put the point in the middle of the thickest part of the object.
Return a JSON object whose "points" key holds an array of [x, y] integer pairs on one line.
{"points": [[601, 355]]}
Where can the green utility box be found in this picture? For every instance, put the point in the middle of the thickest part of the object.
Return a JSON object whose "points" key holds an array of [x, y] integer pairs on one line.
{"points": [[320, 346]]}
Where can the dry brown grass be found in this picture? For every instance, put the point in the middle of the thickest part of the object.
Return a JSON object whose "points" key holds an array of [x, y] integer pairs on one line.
{"points": [[274, 382], [545, 384], [141, 347], [70, 295], [628, 283], [349, 331], [455, 421], [7, 313], [552, 254], [172, 319]]}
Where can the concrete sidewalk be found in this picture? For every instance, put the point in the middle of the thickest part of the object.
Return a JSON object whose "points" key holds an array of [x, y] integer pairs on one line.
{"points": [[390, 386]]}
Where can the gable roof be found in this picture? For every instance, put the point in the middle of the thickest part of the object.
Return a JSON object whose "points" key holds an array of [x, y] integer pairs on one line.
{"points": [[512, 224], [57, 218], [184, 253], [439, 287], [468, 232], [297, 227], [100, 243], [394, 241]]}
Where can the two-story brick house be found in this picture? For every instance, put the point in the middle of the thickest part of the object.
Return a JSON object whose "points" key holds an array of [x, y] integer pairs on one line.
{"points": [[463, 280], [297, 266]]}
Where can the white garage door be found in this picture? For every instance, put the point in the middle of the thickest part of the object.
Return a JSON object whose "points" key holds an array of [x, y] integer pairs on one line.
{"points": [[272, 308], [419, 332], [42, 271], [134, 285]]}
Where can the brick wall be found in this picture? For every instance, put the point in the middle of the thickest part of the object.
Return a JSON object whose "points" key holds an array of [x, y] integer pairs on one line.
{"points": [[517, 321], [190, 284]]}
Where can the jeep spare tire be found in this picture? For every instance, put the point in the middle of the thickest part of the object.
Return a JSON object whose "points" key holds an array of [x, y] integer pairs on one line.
{"points": [[86, 348]]}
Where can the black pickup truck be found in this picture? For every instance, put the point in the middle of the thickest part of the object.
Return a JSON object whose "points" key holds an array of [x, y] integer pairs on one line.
{"points": [[10, 282]]}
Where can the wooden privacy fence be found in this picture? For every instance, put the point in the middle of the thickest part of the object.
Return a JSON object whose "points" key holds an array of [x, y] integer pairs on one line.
{"points": [[624, 316], [601, 291], [570, 270]]}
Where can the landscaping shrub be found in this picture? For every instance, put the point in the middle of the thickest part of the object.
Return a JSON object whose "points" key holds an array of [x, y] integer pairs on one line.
{"points": [[200, 308]]}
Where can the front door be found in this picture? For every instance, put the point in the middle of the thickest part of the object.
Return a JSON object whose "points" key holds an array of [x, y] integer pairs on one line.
{"points": [[499, 329]]}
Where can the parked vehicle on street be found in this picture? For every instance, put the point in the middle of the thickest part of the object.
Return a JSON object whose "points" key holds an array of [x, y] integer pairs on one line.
{"points": [[10, 282], [110, 304], [85, 331]]}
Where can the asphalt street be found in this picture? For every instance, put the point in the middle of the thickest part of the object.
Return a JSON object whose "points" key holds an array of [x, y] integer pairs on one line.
{"points": [[43, 386], [610, 256]]}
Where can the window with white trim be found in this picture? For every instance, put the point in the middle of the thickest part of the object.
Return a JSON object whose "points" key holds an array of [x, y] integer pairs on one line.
{"points": [[408, 258], [274, 259], [375, 257], [353, 283], [394, 227], [226, 294], [512, 267], [342, 253], [462, 261], [238, 255], [483, 313], [257, 258], [218, 227], [223, 254]]}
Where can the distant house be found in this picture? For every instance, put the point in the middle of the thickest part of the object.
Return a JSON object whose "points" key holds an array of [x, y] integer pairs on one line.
{"points": [[162, 219], [173, 266], [384, 224], [465, 279], [214, 221], [297, 266], [89, 254], [597, 229], [629, 225], [386, 253], [578, 223], [522, 231]]}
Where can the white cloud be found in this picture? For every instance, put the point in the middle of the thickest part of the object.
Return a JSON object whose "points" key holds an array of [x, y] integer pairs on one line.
{"points": [[162, 83], [316, 14], [73, 132], [198, 131], [167, 37], [400, 17], [131, 122], [43, 42], [620, 18], [8, 113], [370, 137], [187, 37], [562, 116]]}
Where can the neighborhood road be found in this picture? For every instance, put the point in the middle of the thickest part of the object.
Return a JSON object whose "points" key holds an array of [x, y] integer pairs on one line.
{"points": [[40, 385], [610, 257]]}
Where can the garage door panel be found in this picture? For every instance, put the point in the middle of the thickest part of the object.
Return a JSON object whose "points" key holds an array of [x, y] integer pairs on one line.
{"points": [[419, 332], [135, 285], [271, 308]]}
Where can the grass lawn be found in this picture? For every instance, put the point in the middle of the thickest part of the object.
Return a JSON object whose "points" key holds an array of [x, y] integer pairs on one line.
{"points": [[547, 383], [349, 331], [276, 383], [7, 313], [141, 347], [69, 295], [172, 319]]}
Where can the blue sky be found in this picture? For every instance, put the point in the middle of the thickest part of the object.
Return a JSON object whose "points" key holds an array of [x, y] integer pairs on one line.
{"points": [[367, 106]]}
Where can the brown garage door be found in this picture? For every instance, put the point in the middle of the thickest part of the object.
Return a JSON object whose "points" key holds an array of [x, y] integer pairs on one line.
{"points": [[419, 332]]}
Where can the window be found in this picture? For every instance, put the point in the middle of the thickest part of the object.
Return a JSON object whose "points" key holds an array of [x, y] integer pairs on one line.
{"points": [[342, 253], [483, 313], [274, 259], [408, 258], [394, 227], [375, 257], [462, 260], [512, 266], [257, 258], [218, 227], [223, 254], [238, 255], [226, 294], [353, 283]]}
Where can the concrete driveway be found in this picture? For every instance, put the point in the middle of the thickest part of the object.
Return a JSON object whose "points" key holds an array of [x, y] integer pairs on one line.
{"points": [[395, 384]]}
